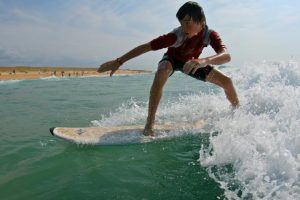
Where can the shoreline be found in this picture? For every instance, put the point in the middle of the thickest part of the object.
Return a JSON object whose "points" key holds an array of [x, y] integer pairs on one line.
{"points": [[32, 73]]}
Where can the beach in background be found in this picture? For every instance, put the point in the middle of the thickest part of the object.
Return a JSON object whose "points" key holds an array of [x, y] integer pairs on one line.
{"points": [[29, 73]]}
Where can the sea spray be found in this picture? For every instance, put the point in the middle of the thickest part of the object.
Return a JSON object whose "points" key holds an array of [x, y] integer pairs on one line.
{"points": [[131, 112]]}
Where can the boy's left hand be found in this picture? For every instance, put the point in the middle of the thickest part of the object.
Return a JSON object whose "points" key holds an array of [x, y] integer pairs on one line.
{"points": [[112, 66], [193, 65]]}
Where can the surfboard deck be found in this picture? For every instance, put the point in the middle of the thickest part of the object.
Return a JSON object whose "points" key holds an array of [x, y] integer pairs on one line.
{"points": [[128, 134]]}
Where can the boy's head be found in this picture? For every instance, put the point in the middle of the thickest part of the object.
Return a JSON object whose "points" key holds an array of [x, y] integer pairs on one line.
{"points": [[193, 10], [191, 18]]}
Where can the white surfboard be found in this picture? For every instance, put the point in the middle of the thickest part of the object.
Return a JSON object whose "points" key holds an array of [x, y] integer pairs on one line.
{"points": [[123, 134]]}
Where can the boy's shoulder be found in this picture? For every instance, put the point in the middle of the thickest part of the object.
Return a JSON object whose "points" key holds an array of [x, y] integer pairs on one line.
{"points": [[180, 36]]}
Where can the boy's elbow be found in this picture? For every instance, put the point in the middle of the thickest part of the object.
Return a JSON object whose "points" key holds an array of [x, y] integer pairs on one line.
{"points": [[224, 56], [228, 57]]}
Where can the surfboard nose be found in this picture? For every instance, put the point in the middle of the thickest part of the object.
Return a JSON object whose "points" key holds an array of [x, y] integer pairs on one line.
{"points": [[51, 130]]}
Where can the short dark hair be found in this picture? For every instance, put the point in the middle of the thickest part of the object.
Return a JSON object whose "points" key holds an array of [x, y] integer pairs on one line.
{"points": [[192, 9]]}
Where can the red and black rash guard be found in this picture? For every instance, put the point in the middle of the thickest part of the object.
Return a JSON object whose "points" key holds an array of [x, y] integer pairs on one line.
{"points": [[182, 48]]}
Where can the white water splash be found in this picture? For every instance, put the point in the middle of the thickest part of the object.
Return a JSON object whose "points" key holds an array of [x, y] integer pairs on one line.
{"points": [[129, 113], [261, 140]]}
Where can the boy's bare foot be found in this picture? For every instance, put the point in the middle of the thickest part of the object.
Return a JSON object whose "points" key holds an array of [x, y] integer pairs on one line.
{"points": [[148, 130], [235, 107]]}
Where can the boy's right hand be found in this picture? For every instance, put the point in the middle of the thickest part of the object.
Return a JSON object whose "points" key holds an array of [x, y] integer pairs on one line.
{"points": [[112, 66]]}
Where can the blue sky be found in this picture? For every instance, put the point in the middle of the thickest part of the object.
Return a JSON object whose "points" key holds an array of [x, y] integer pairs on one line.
{"points": [[87, 33]]}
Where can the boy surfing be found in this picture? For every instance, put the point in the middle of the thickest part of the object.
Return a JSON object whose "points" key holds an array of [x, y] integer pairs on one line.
{"points": [[185, 44]]}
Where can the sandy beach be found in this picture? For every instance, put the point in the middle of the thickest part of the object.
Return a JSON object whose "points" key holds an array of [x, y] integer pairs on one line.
{"points": [[28, 73]]}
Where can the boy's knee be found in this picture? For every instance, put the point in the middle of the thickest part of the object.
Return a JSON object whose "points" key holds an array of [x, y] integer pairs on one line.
{"points": [[164, 67], [227, 82]]}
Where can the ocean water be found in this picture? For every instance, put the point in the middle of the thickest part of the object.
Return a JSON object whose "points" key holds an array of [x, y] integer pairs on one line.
{"points": [[249, 153]]}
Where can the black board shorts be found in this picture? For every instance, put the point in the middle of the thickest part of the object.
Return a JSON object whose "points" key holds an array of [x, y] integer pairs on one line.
{"points": [[177, 65]]}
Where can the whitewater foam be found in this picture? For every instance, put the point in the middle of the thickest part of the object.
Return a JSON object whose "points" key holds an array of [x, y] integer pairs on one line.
{"points": [[9, 82], [261, 140]]}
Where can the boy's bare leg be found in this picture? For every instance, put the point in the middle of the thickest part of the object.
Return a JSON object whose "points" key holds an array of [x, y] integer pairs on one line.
{"points": [[164, 71], [218, 78]]}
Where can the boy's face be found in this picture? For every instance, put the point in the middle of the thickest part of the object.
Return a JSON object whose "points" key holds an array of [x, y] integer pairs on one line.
{"points": [[190, 27]]}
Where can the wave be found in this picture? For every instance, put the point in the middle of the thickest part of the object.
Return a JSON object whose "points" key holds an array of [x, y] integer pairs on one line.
{"points": [[260, 140], [254, 151], [9, 82]]}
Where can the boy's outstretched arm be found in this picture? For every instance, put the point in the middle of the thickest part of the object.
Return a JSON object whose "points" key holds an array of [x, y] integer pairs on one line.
{"points": [[114, 65]]}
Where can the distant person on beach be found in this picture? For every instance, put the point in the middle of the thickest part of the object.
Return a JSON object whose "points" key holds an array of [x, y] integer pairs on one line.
{"points": [[185, 44]]}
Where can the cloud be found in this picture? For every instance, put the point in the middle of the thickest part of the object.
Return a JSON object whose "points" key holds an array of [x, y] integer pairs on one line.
{"points": [[257, 30], [10, 57], [22, 15], [85, 31], [7, 55], [88, 33]]}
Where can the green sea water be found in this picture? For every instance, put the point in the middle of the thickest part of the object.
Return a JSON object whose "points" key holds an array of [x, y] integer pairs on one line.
{"points": [[36, 165]]}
